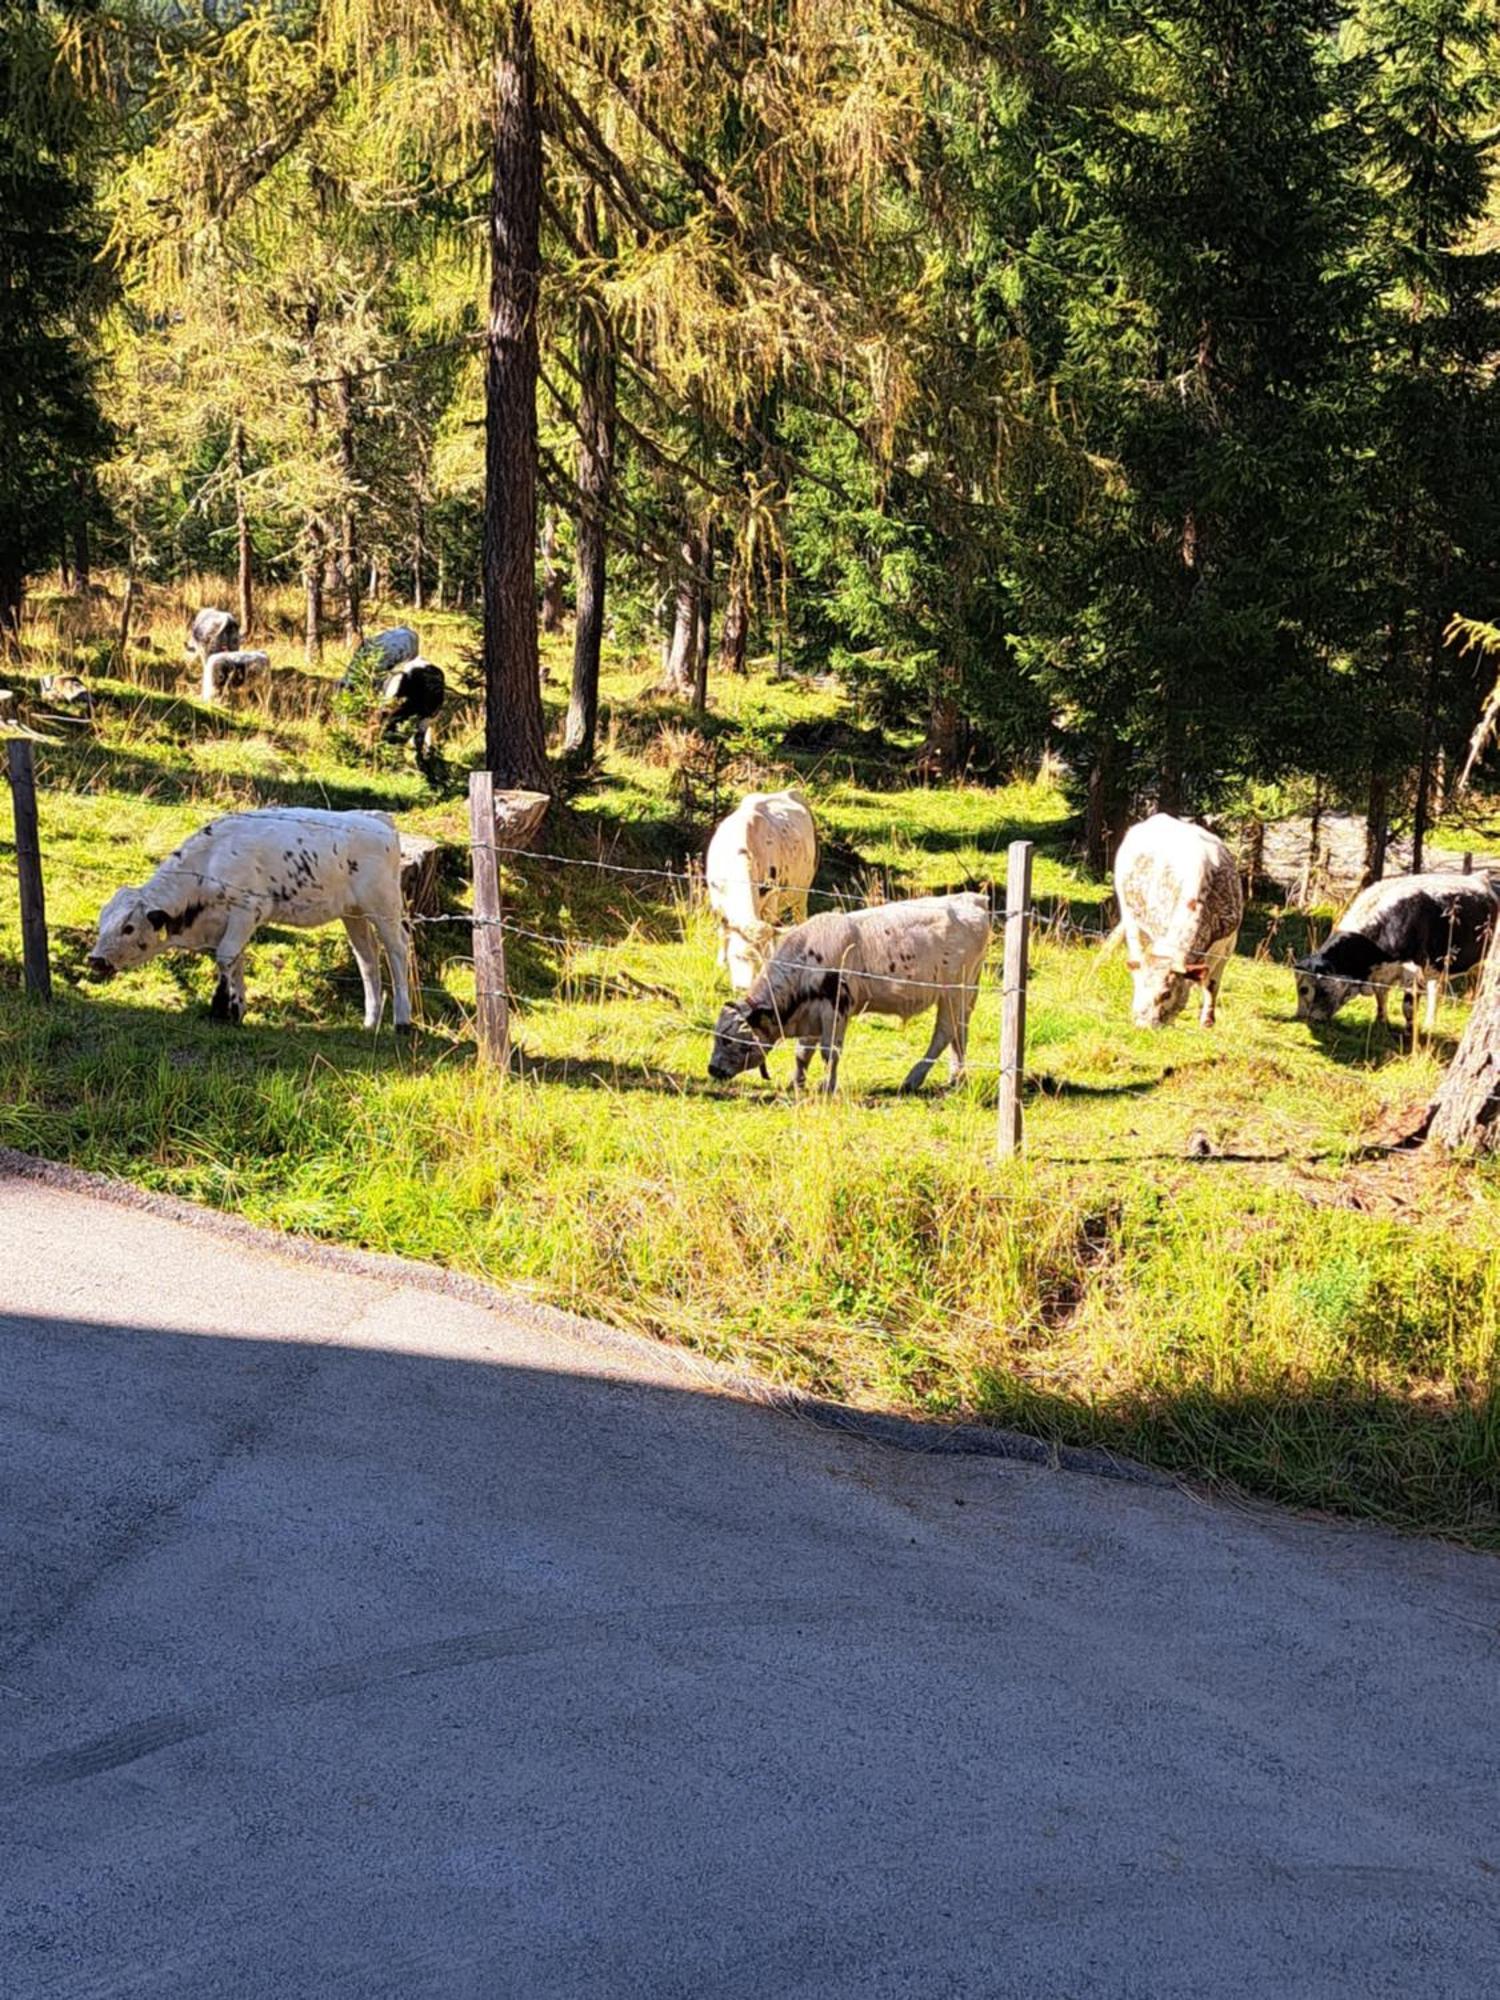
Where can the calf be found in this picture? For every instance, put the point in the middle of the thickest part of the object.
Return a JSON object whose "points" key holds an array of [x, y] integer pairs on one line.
{"points": [[1399, 932], [1180, 908], [211, 631], [234, 673], [761, 862], [899, 958], [413, 694], [379, 654], [285, 865]]}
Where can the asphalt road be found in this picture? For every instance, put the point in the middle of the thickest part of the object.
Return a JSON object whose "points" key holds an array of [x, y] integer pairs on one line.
{"points": [[360, 1640]]}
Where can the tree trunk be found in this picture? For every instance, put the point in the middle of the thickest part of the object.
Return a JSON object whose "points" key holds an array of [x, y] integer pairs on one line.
{"points": [[940, 755], [312, 584], [1377, 826], [242, 533], [12, 599], [1421, 812], [127, 608], [735, 632], [703, 629], [82, 578], [314, 539], [1108, 809], [680, 672], [1465, 1114], [418, 554], [348, 558], [596, 459], [552, 576], [515, 744], [441, 591]]}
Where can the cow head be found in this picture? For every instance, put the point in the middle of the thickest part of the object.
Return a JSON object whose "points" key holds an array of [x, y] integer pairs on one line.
{"points": [[743, 1037], [1320, 994], [129, 934], [1160, 987]]}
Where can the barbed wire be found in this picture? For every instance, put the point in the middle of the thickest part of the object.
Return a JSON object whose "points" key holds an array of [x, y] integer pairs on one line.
{"points": [[1053, 923]]}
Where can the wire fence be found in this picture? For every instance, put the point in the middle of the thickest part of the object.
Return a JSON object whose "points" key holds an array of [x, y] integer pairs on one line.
{"points": [[645, 887]]}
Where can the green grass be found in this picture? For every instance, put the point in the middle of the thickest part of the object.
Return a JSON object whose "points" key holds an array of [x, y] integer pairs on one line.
{"points": [[1288, 1315]]}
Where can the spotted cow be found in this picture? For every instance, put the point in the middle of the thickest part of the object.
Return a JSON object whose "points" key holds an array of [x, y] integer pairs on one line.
{"points": [[284, 865]]}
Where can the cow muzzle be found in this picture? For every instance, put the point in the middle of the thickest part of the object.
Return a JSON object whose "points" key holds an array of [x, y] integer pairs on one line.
{"points": [[101, 968]]}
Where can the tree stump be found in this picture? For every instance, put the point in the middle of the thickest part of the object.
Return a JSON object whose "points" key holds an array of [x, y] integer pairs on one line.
{"points": [[421, 859], [518, 817], [1465, 1113]]}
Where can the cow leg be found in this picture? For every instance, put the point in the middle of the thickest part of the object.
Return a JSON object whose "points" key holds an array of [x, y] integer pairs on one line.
{"points": [[393, 937], [804, 1058], [1209, 1002], [833, 1048], [229, 955], [958, 1043], [1432, 1002], [942, 1036], [367, 958]]}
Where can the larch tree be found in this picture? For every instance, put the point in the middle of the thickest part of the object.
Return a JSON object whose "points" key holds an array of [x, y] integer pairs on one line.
{"points": [[1434, 414]]}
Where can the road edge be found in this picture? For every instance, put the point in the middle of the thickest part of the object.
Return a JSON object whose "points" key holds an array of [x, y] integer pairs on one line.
{"points": [[887, 1428]]}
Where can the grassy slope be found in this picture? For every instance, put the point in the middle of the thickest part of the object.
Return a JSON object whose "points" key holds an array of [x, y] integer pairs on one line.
{"points": [[1284, 1314]]}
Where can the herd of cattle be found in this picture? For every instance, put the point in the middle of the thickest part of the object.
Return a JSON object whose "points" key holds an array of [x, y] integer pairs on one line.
{"points": [[1177, 884], [411, 690]]}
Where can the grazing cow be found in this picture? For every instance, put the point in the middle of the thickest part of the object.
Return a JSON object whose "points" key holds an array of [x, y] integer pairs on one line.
{"points": [[413, 694], [379, 655], [761, 862], [899, 958], [1180, 908], [285, 865], [211, 631], [1400, 931], [234, 673]]}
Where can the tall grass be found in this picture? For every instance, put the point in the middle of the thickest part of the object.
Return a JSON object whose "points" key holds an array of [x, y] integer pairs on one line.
{"points": [[1285, 1314]]}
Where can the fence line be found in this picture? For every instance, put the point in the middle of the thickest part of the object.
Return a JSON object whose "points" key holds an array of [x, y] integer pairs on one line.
{"points": [[488, 926]]}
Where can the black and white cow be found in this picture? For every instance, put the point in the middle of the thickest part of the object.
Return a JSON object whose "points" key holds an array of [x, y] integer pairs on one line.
{"points": [[898, 958], [1402, 931], [225, 674], [285, 865], [210, 631], [413, 694]]}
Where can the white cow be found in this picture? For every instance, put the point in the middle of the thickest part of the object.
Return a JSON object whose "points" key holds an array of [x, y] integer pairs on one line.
{"points": [[761, 862], [898, 958], [1180, 908], [379, 654], [234, 673], [212, 631], [285, 865]]}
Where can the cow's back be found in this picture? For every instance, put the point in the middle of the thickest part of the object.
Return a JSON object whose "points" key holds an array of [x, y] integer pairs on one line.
{"points": [[1178, 885], [303, 863], [906, 956], [1440, 920]]}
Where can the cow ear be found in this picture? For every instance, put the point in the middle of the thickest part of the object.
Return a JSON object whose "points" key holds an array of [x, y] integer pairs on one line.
{"points": [[157, 919], [1132, 965]]}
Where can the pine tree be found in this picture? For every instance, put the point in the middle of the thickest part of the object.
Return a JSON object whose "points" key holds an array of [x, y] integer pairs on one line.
{"points": [[1434, 487], [51, 430], [1176, 258]]}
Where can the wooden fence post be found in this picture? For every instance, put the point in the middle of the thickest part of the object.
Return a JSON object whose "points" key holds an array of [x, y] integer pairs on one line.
{"points": [[22, 776], [1013, 993], [492, 1007]]}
